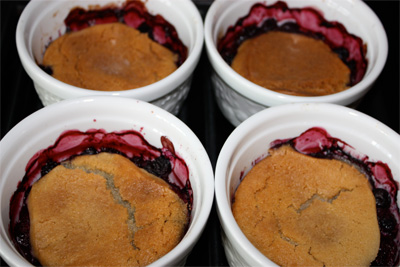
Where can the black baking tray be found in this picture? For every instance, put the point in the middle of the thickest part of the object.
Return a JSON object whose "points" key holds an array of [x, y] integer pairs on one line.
{"points": [[200, 111]]}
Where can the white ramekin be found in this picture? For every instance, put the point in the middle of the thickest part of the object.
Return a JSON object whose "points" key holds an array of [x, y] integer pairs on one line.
{"points": [[251, 140], [238, 98], [41, 129], [43, 20]]}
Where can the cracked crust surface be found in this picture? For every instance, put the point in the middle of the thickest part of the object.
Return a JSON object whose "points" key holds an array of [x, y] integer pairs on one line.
{"points": [[291, 64], [303, 211], [103, 210], [109, 57]]}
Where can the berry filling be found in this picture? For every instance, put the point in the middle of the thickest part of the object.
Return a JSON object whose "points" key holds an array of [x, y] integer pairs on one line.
{"points": [[308, 21], [316, 142], [161, 162]]}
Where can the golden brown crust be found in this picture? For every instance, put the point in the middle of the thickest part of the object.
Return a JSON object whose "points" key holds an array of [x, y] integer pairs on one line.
{"points": [[109, 57], [292, 64], [303, 211], [103, 210]]}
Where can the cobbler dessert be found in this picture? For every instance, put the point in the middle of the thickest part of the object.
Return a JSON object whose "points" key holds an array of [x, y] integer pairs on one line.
{"points": [[294, 51], [311, 202], [98, 199], [113, 49]]}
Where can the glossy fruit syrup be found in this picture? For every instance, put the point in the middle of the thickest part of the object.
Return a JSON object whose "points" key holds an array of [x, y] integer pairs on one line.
{"points": [[162, 162], [316, 142], [133, 14], [308, 21]]}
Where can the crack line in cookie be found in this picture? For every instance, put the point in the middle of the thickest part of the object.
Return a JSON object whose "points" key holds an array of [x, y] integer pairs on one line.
{"points": [[316, 196], [316, 259], [282, 235], [131, 221]]}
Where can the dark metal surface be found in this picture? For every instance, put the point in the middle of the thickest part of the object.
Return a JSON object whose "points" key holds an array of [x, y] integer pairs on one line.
{"points": [[200, 112]]}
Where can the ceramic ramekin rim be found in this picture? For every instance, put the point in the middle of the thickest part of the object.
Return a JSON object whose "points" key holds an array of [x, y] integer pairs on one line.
{"points": [[267, 97], [146, 93]]}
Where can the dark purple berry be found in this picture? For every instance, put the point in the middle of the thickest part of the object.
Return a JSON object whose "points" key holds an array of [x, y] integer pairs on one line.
{"points": [[159, 167], [387, 223], [48, 167], [47, 69], [388, 253], [382, 198], [90, 151]]}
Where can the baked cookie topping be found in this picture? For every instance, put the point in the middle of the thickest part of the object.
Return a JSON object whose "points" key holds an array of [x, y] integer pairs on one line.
{"points": [[109, 57], [292, 64], [306, 180], [103, 210], [300, 210]]}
